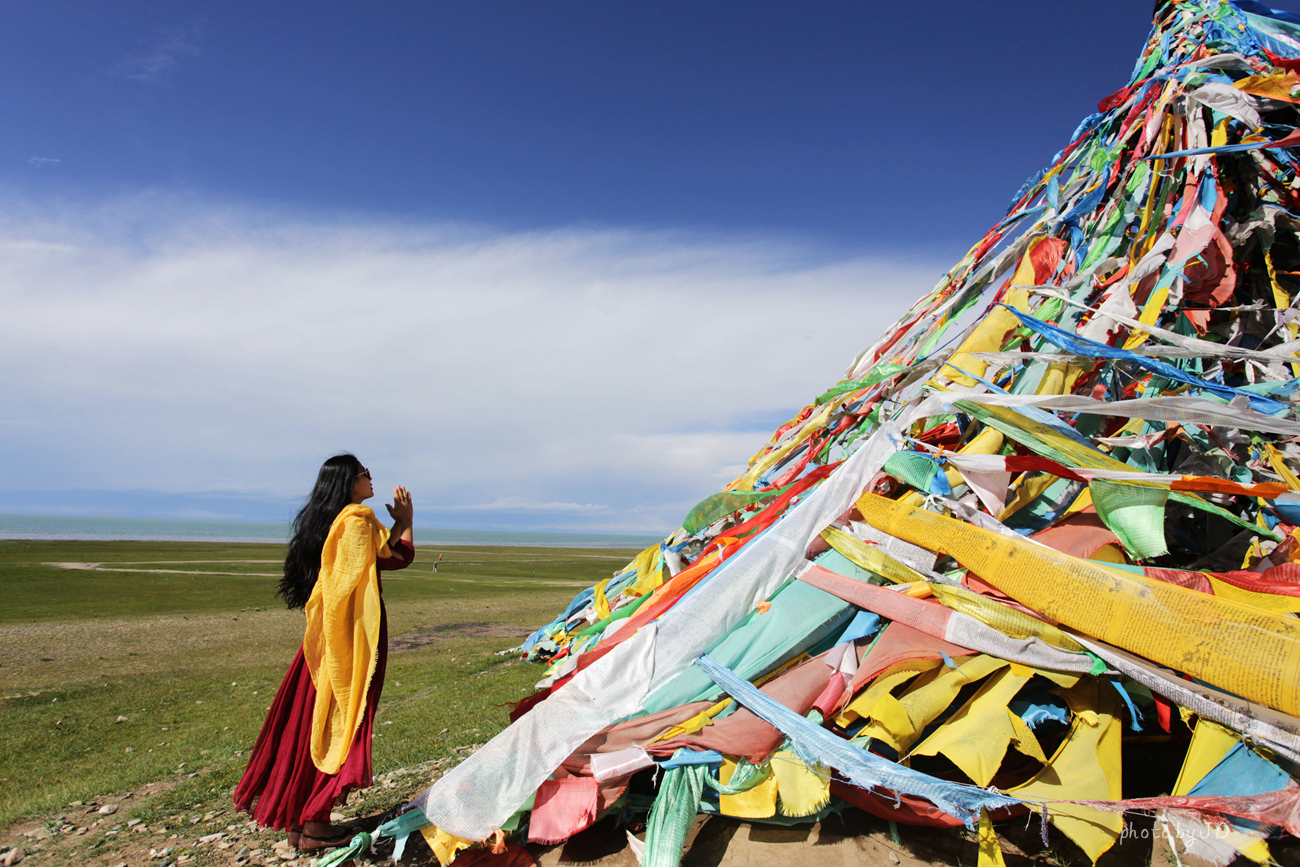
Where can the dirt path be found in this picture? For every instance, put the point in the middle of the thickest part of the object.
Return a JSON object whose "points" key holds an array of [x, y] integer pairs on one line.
{"points": [[97, 567]]}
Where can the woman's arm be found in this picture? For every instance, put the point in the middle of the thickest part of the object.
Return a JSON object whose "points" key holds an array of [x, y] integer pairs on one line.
{"points": [[403, 514]]}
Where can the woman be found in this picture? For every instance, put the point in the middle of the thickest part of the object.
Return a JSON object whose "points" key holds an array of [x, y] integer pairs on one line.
{"points": [[314, 747]]}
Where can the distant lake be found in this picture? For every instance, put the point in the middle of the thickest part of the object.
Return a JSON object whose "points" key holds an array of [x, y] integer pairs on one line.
{"points": [[177, 530]]}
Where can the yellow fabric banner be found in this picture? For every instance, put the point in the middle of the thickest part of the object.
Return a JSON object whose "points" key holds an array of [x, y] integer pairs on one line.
{"points": [[1210, 743], [648, 574], [863, 705], [869, 557], [990, 852], [1003, 618], [899, 722], [599, 601], [756, 803], [445, 846], [802, 790], [342, 636], [1239, 648], [976, 737], [1085, 767]]}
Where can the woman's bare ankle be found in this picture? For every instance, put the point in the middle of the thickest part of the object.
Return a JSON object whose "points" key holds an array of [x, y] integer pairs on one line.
{"points": [[319, 830]]}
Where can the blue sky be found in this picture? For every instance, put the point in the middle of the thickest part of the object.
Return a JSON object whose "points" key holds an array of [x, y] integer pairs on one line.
{"points": [[895, 124], [551, 265]]}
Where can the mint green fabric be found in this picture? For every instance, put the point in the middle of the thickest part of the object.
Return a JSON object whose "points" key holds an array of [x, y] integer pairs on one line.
{"points": [[1050, 503], [600, 625], [836, 562], [1040, 448], [746, 776], [911, 468], [879, 373], [672, 815], [719, 505], [801, 615], [1134, 513]]}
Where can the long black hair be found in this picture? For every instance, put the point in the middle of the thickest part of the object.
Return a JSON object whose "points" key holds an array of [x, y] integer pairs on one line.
{"points": [[332, 492]]}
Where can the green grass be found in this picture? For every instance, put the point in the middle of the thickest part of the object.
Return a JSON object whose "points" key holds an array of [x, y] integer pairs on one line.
{"points": [[35, 590], [192, 663]]}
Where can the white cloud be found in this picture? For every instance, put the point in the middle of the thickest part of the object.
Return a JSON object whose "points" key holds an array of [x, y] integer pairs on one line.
{"points": [[160, 58], [42, 162], [517, 504], [176, 347]]}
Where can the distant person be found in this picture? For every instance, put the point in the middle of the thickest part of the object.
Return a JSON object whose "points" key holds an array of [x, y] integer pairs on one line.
{"points": [[314, 747]]}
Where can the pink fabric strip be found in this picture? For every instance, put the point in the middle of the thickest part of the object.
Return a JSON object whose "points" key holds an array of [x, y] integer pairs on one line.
{"points": [[562, 809], [928, 617], [1275, 808]]}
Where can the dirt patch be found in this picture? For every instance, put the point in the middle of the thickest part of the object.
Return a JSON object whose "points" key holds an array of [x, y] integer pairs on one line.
{"points": [[105, 832], [423, 636]]}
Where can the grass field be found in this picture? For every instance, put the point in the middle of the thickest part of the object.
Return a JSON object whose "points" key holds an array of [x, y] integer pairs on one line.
{"points": [[158, 663]]}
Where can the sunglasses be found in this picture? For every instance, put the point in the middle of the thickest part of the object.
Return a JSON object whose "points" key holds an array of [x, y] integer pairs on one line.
{"points": [[364, 474]]}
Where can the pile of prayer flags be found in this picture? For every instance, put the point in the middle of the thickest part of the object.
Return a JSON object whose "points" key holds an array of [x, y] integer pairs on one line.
{"points": [[1043, 534]]}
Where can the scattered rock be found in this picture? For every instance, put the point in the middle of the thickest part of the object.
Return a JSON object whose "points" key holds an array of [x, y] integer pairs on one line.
{"points": [[107, 809], [211, 838], [121, 719], [12, 857], [131, 823]]}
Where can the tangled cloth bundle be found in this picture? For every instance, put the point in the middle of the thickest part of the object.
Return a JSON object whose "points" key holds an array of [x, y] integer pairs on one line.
{"points": [[1052, 508]]}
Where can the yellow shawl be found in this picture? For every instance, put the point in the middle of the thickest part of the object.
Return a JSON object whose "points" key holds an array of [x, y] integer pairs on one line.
{"points": [[342, 638]]}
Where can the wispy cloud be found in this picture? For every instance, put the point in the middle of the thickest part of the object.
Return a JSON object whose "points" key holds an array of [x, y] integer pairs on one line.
{"points": [[160, 58], [590, 379], [516, 504], [42, 162]]}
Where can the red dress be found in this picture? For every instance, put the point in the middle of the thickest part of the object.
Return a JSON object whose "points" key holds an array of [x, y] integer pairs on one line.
{"points": [[288, 787]]}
